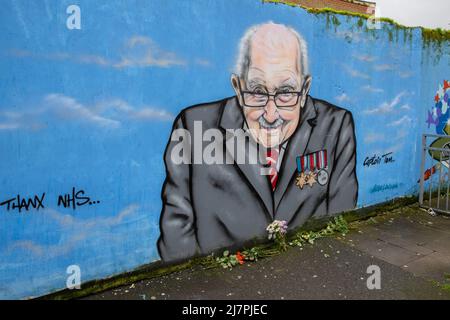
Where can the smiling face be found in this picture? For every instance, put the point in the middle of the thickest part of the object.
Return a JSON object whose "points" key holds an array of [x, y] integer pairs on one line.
{"points": [[274, 68]]}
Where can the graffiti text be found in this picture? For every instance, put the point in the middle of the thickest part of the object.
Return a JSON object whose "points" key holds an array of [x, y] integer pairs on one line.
{"points": [[22, 203], [376, 159]]}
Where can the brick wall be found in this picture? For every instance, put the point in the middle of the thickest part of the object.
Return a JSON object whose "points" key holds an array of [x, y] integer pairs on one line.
{"points": [[344, 5]]}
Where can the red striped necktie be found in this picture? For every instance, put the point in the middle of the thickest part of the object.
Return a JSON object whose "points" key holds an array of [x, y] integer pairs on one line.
{"points": [[272, 159]]}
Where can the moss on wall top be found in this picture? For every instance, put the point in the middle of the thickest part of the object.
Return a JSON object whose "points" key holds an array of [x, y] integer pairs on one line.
{"points": [[429, 36], [438, 35]]}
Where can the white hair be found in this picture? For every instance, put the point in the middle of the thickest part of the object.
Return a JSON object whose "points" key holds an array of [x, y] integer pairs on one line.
{"points": [[244, 59]]}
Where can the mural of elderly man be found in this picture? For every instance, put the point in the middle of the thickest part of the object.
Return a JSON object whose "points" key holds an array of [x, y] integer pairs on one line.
{"points": [[309, 147]]}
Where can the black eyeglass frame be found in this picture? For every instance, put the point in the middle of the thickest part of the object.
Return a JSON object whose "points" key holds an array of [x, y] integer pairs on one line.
{"points": [[268, 95]]}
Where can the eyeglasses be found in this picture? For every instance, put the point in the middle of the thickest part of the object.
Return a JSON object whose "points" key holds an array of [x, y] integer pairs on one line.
{"points": [[285, 100]]}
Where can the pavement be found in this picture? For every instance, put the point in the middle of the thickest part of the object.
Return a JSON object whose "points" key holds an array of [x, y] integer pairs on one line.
{"points": [[410, 247]]}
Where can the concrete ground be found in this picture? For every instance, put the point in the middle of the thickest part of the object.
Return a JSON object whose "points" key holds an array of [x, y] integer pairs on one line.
{"points": [[411, 248]]}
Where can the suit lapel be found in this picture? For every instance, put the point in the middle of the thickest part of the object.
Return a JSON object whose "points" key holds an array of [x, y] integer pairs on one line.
{"points": [[233, 119], [297, 145]]}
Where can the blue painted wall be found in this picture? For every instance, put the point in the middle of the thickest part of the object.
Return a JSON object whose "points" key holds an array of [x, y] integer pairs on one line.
{"points": [[84, 109]]}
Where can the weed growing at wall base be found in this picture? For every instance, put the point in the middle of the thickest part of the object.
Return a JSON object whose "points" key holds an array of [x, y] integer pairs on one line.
{"points": [[337, 225], [445, 285]]}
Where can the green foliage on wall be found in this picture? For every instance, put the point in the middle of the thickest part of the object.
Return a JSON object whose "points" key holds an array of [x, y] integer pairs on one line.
{"points": [[431, 37]]}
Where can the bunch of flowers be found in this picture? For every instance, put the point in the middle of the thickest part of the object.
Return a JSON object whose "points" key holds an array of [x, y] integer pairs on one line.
{"points": [[277, 231], [240, 257], [276, 228], [229, 260]]}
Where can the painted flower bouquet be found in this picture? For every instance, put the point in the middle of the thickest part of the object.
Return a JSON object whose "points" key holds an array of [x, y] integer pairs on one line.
{"points": [[439, 114]]}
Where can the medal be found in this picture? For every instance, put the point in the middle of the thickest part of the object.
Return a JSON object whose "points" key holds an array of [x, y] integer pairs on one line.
{"points": [[304, 179], [301, 180], [312, 178], [322, 177]]}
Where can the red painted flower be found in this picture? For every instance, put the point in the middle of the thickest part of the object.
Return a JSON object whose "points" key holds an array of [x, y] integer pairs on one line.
{"points": [[240, 257], [446, 84]]}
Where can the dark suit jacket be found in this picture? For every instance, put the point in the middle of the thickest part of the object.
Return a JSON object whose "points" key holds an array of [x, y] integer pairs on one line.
{"points": [[207, 207]]}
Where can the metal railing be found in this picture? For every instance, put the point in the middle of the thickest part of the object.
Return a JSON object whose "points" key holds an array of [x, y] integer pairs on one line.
{"points": [[435, 173]]}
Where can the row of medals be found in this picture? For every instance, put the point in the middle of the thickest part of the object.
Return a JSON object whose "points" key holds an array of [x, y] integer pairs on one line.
{"points": [[311, 177]]}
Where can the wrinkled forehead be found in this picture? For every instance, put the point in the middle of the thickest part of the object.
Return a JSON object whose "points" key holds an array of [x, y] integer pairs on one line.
{"points": [[274, 53]]}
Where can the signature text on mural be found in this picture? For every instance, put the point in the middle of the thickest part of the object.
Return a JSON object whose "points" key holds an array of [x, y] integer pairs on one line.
{"points": [[377, 159]]}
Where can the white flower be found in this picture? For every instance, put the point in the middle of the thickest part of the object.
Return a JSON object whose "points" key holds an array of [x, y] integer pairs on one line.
{"points": [[277, 227]]}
